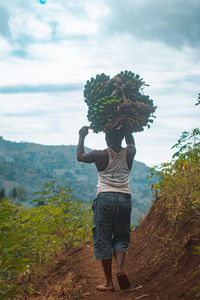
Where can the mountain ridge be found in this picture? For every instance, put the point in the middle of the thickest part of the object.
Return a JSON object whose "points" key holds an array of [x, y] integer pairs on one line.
{"points": [[30, 165]]}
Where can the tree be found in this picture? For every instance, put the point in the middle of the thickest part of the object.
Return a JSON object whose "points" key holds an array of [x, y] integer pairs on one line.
{"points": [[21, 194], [2, 193], [13, 193]]}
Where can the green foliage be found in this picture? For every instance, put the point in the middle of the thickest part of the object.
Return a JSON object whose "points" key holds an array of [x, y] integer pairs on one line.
{"points": [[198, 102], [118, 102], [2, 193], [29, 236], [10, 263], [189, 141], [19, 194], [180, 179], [140, 220], [13, 193]]}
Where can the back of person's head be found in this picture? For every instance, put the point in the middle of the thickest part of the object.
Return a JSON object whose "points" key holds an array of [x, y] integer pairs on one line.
{"points": [[114, 137]]}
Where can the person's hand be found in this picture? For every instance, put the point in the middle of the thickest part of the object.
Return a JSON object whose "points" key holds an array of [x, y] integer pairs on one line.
{"points": [[83, 131]]}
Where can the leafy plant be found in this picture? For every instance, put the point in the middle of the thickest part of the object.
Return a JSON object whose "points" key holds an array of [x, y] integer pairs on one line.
{"points": [[29, 236], [198, 102], [11, 263], [187, 142], [180, 179]]}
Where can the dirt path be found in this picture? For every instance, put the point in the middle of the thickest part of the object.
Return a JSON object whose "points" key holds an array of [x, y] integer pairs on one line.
{"points": [[161, 264], [93, 270], [77, 278], [75, 274]]}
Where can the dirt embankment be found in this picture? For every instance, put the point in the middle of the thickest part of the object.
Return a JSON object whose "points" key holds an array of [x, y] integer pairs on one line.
{"points": [[161, 256], [160, 264]]}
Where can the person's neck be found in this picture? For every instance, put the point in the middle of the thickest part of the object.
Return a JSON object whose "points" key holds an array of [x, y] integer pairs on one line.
{"points": [[116, 148]]}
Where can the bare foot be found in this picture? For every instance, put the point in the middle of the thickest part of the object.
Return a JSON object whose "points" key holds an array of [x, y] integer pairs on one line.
{"points": [[105, 288]]}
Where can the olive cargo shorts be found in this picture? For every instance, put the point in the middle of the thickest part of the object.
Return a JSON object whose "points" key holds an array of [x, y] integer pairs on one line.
{"points": [[111, 224]]}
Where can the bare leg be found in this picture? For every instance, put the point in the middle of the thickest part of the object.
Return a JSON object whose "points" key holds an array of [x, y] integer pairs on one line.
{"points": [[107, 267], [121, 275], [120, 259]]}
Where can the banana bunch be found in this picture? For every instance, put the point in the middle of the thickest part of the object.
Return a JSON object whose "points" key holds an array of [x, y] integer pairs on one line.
{"points": [[118, 102]]}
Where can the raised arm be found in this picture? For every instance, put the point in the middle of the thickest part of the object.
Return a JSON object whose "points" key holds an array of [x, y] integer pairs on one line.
{"points": [[89, 157], [129, 139], [130, 149]]}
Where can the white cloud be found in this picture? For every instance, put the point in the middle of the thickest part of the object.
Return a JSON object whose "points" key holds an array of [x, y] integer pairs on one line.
{"points": [[96, 10], [69, 26], [66, 42], [5, 48], [42, 118], [28, 26]]}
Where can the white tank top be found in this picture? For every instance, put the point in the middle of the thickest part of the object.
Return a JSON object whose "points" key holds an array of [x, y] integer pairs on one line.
{"points": [[115, 178]]}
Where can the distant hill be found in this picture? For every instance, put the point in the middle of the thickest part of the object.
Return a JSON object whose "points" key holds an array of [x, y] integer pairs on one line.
{"points": [[30, 166]]}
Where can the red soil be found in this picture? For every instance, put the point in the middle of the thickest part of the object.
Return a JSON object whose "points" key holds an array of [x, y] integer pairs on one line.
{"points": [[160, 264]]}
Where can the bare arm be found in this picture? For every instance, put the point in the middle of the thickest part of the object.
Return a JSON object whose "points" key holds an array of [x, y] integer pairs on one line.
{"points": [[89, 157], [129, 139], [131, 150]]}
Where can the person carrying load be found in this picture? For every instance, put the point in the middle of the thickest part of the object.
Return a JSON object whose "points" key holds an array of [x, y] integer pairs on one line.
{"points": [[112, 206]]}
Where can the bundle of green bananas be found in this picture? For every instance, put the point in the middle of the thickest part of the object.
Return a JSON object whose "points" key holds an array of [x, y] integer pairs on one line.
{"points": [[118, 102]]}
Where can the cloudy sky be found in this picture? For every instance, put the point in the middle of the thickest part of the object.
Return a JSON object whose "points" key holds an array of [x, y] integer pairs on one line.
{"points": [[48, 51]]}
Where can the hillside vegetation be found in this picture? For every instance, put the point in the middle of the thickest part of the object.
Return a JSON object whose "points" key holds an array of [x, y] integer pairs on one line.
{"points": [[169, 237], [180, 179], [29, 166], [29, 236]]}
